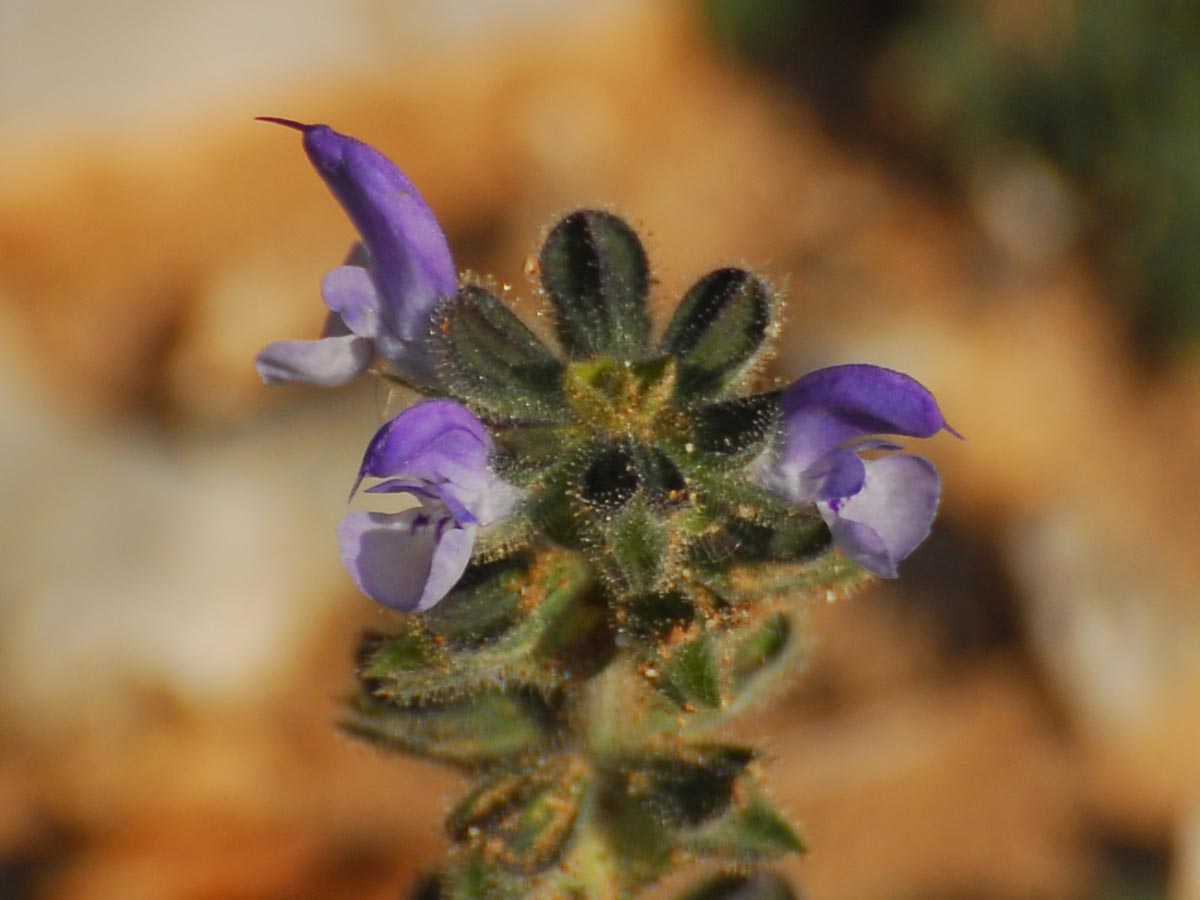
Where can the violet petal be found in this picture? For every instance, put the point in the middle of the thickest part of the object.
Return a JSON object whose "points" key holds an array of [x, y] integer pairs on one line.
{"points": [[434, 440], [407, 245], [407, 561], [889, 518], [328, 362], [837, 474], [350, 293], [828, 407], [496, 501], [451, 555]]}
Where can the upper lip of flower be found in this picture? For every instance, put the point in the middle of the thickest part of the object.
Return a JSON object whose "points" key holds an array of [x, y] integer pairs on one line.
{"points": [[383, 300]]}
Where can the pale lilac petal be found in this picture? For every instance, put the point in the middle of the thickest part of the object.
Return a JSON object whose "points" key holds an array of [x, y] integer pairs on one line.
{"points": [[451, 555], [407, 245], [497, 500], [351, 294], [328, 362], [430, 441], [829, 407], [837, 474], [889, 518], [407, 561]]}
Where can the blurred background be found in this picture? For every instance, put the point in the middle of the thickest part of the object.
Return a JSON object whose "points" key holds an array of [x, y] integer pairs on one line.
{"points": [[1000, 197]]}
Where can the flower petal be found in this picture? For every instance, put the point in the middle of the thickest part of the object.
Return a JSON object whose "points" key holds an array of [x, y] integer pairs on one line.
{"points": [[830, 406], [836, 475], [407, 245], [350, 293], [497, 500], [441, 491], [451, 555], [437, 440], [328, 362], [889, 518], [407, 561]]}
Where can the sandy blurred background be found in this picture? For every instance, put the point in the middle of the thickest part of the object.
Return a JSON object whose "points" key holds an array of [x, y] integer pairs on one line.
{"points": [[1001, 198]]}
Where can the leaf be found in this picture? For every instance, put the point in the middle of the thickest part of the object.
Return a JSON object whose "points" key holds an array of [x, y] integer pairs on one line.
{"points": [[595, 272], [792, 538], [758, 650], [523, 820], [688, 790], [690, 675], [472, 877], [484, 605], [718, 329], [635, 544], [661, 479], [493, 724], [731, 433], [749, 833], [825, 576], [652, 617], [494, 363]]}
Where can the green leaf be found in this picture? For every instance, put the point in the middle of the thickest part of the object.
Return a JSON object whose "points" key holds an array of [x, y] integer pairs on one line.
{"points": [[690, 675], [491, 725], [408, 650], [719, 328], [688, 790], [550, 503], [731, 433], [524, 453], [824, 576], [750, 833], [473, 877], [484, 605], [652, 617], [523, 820], [758, 650], [791, 538], [635, 544], [595, 272], [494, 363], [661, 480]]}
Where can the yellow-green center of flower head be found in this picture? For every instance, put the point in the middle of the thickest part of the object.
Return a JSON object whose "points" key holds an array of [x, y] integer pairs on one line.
{"points": [[622, 399]]}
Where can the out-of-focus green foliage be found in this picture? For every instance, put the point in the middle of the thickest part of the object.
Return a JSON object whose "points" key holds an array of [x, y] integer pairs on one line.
{"points": [[1107, 92], [759, 27]]}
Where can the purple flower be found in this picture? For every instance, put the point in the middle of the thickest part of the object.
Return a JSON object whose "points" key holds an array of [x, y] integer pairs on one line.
{"points": [[437, 452], [878, 510], [381, 302]]}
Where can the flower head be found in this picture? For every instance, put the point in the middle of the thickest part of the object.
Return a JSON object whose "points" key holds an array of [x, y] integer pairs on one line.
{"points": [[878, 510], [437, 452], [382, 301]]}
